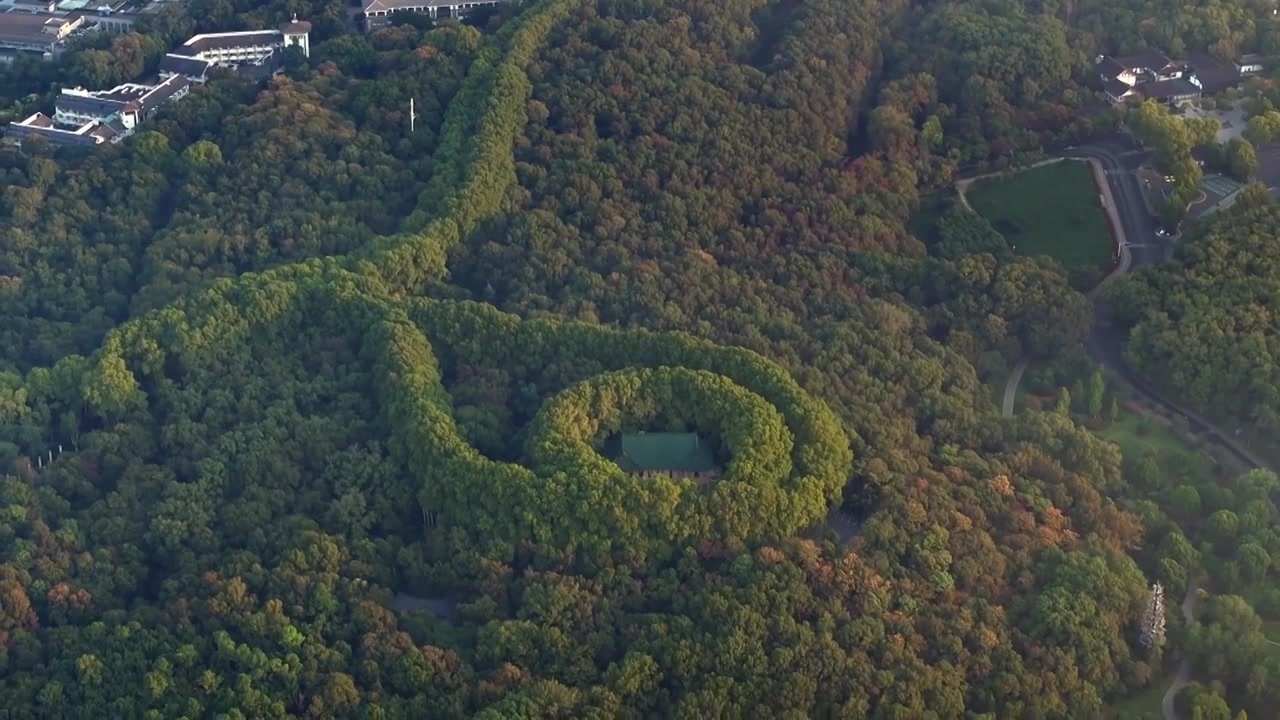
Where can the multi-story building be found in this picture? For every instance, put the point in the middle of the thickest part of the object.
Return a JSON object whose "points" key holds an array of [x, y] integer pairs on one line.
{"points": [[1152, 75], [41, 126], [251, 51], [109, 22], [1149, 74], [33, 6], [85, 117], [378, 13], [1250, 64], [37, 32]]}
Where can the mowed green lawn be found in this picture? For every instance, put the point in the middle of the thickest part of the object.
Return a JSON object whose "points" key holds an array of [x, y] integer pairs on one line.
{"points": [[1049, 210], [1145, 704], [1138, 436]]}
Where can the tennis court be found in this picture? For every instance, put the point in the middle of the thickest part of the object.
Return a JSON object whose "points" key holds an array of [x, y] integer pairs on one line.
{"points": [[1219, 185]]}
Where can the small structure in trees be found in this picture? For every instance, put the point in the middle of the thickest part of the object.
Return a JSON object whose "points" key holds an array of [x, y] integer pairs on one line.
{"points": [[676, 455], [1153, 618]]}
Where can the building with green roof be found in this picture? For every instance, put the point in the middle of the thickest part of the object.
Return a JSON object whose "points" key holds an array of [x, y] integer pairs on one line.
{"points": [[676, 455]]}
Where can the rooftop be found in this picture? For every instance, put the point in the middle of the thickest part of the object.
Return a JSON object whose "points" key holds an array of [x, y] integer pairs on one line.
{"points": [[183, 65], [225, 41], [295, 26], [1116, 89], [1177, 87], [1214, 76], [122, 98], [28, 27], [94, 105], [1109, 68], [1147, 59], [393, 5], [161, 93], [121, 93], [38, 120], [661, 452]]}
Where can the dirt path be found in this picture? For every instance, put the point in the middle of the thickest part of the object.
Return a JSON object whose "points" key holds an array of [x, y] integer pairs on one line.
{"points": [[1184, 668]]}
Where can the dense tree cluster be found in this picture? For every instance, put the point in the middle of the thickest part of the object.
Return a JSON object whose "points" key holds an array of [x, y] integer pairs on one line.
{"points": [[226, 181], [1202, 323], [241, 501], [204, 472]]}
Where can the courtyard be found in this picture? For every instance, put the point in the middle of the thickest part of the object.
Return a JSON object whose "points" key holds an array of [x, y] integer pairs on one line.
{"points": [[1232, 122]]}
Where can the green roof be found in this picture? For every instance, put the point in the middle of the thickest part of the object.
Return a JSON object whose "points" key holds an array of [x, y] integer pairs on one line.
{"points": [[636, 452]]}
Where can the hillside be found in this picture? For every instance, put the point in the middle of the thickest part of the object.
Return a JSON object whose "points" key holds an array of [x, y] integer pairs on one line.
{"points": [[305, 371]]}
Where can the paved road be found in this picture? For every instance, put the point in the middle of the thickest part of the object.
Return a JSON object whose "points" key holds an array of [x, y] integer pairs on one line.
{"points": [[1120, 158], [1138, 232], [1115, 203], [1011, 387]]}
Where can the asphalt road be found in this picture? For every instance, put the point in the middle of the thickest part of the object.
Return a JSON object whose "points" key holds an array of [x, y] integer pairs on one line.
{"points": [[1119, 158], [1269, 166]]}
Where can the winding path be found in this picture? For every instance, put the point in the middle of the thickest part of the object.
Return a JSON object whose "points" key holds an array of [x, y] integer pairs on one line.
{"points": [[1121, 267], [1132, 221], [1011, 387], [1184, 668], [1135, 231]]}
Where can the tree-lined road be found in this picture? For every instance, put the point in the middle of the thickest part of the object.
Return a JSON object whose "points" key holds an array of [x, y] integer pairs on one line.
{"points": [[1137, 235], [1120, 158], [1139, 245]]}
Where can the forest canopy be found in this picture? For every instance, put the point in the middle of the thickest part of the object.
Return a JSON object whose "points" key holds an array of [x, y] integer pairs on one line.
{"points": [[1203, 323], [300, 421]]}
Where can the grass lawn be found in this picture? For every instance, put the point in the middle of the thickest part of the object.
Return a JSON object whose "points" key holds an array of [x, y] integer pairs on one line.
{"points": [[1049, 210], [1145, 705], [1138, 436]]}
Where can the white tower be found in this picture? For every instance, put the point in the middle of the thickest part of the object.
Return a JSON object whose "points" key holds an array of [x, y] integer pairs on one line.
{"points": [[298, 33]]}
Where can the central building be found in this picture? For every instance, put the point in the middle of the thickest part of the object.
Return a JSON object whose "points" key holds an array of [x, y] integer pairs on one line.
{"points": [[680, 456]]}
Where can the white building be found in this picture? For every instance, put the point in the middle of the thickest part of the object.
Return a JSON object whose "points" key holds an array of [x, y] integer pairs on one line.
{"points": [[87, 117], [1250, 64], [377, 13], [110, 22], [42, 126], [244, 51], [33, 6]]}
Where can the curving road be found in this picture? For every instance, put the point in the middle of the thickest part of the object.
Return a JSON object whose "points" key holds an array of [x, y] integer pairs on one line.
{"points": [[1011, 387], [1139, 245], [1119, 157]]}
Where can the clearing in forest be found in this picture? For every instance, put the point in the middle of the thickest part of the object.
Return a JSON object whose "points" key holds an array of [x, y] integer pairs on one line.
{"points": [[1050, 210], [1138, 436], [1143, 705]]}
